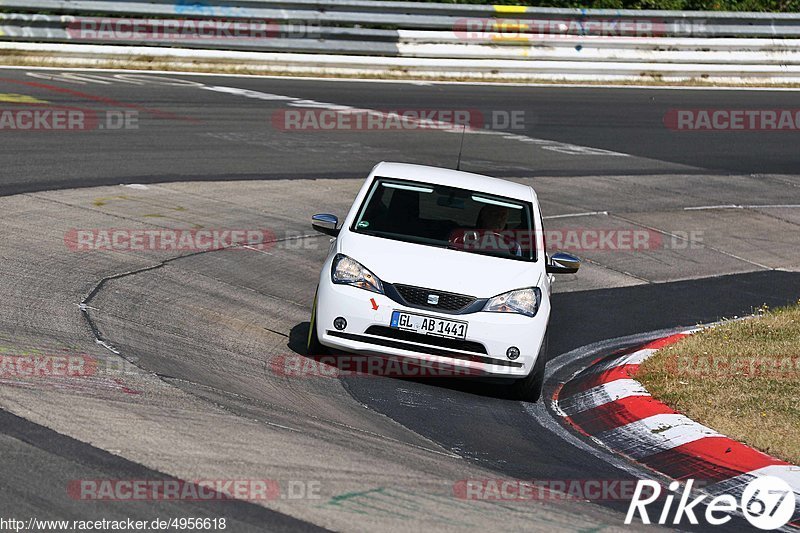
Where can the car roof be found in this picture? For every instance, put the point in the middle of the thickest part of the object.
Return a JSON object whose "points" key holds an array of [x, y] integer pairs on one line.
{"points": [[454, 178]]}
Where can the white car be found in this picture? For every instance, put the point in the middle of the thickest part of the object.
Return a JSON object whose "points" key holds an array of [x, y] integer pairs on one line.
{"points": [[443, 267]]}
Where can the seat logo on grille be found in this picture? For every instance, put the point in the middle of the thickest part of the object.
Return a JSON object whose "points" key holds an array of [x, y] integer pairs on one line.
{"points": [[433, 299]]}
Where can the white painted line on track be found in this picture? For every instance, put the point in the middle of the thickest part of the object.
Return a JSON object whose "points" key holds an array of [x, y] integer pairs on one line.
{"points": [[634, 358], [657, 433], [683, 238], [601, 395], [416, 81], [738, 206], [736, 485], [709, 207], [585, 214], [437, 124]]}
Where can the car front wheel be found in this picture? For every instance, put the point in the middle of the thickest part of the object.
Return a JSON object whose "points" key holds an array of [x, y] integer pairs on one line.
{"points": [[313, 346], [529, 388]]}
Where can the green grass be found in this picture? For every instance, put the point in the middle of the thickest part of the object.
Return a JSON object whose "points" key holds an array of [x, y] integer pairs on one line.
{"points": [[741, 378]]}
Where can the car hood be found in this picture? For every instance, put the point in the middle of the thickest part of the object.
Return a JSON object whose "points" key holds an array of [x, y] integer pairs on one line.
{"points": [[439, 268]]}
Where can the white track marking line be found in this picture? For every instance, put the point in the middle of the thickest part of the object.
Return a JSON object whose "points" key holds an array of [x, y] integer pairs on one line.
{"points": [[417, 81], [788, 473], [683, 238], [710, 207], [545, 144], [434, 124], [585, 214], [736, 485], [738, 206], [601, 395], [634, 358], [645, 437]]}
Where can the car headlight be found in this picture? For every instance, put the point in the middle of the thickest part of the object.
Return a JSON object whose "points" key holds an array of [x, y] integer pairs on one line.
{"points": [[348, 271], [522, 301]]}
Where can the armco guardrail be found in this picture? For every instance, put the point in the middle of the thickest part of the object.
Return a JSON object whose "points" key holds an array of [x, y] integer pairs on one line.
{"points": [[427, 39]]}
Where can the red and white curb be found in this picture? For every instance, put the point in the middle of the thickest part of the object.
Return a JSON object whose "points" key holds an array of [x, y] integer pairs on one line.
{"points": [[606, 403]]}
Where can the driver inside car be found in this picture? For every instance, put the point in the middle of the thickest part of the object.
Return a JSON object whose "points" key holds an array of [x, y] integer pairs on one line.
{"points": [[491, 225], [492, 218]]}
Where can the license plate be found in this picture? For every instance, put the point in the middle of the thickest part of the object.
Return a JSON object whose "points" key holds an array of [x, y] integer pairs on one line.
{"points": [[429, 325]]}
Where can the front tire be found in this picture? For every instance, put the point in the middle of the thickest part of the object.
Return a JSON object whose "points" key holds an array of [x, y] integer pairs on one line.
{"points": [[529, 388], [313, 346]]}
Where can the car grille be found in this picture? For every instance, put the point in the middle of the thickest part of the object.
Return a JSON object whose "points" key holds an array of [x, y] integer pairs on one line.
{"points": [[431, 350], [410, 336], [418, 297]]}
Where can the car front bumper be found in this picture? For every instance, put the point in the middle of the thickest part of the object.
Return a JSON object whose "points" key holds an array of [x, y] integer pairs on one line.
{"points": [[489, 335]]}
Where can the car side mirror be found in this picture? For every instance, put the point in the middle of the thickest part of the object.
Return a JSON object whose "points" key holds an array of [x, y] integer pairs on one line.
{"points": [[326, 223], [563, 263]]}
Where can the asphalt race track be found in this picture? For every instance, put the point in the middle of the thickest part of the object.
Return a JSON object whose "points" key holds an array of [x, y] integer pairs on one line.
{"points": [[189, 127], [188, 344]]}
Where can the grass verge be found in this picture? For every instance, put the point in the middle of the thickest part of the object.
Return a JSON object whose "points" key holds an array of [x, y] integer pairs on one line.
{"points": [[741, 378]]}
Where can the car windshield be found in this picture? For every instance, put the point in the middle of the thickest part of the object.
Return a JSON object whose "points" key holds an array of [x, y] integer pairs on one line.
{"points": [[448, 217]]}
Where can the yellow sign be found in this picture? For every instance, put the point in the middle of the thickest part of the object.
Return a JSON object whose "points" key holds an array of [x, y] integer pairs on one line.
{"points": [[510, 9]]}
